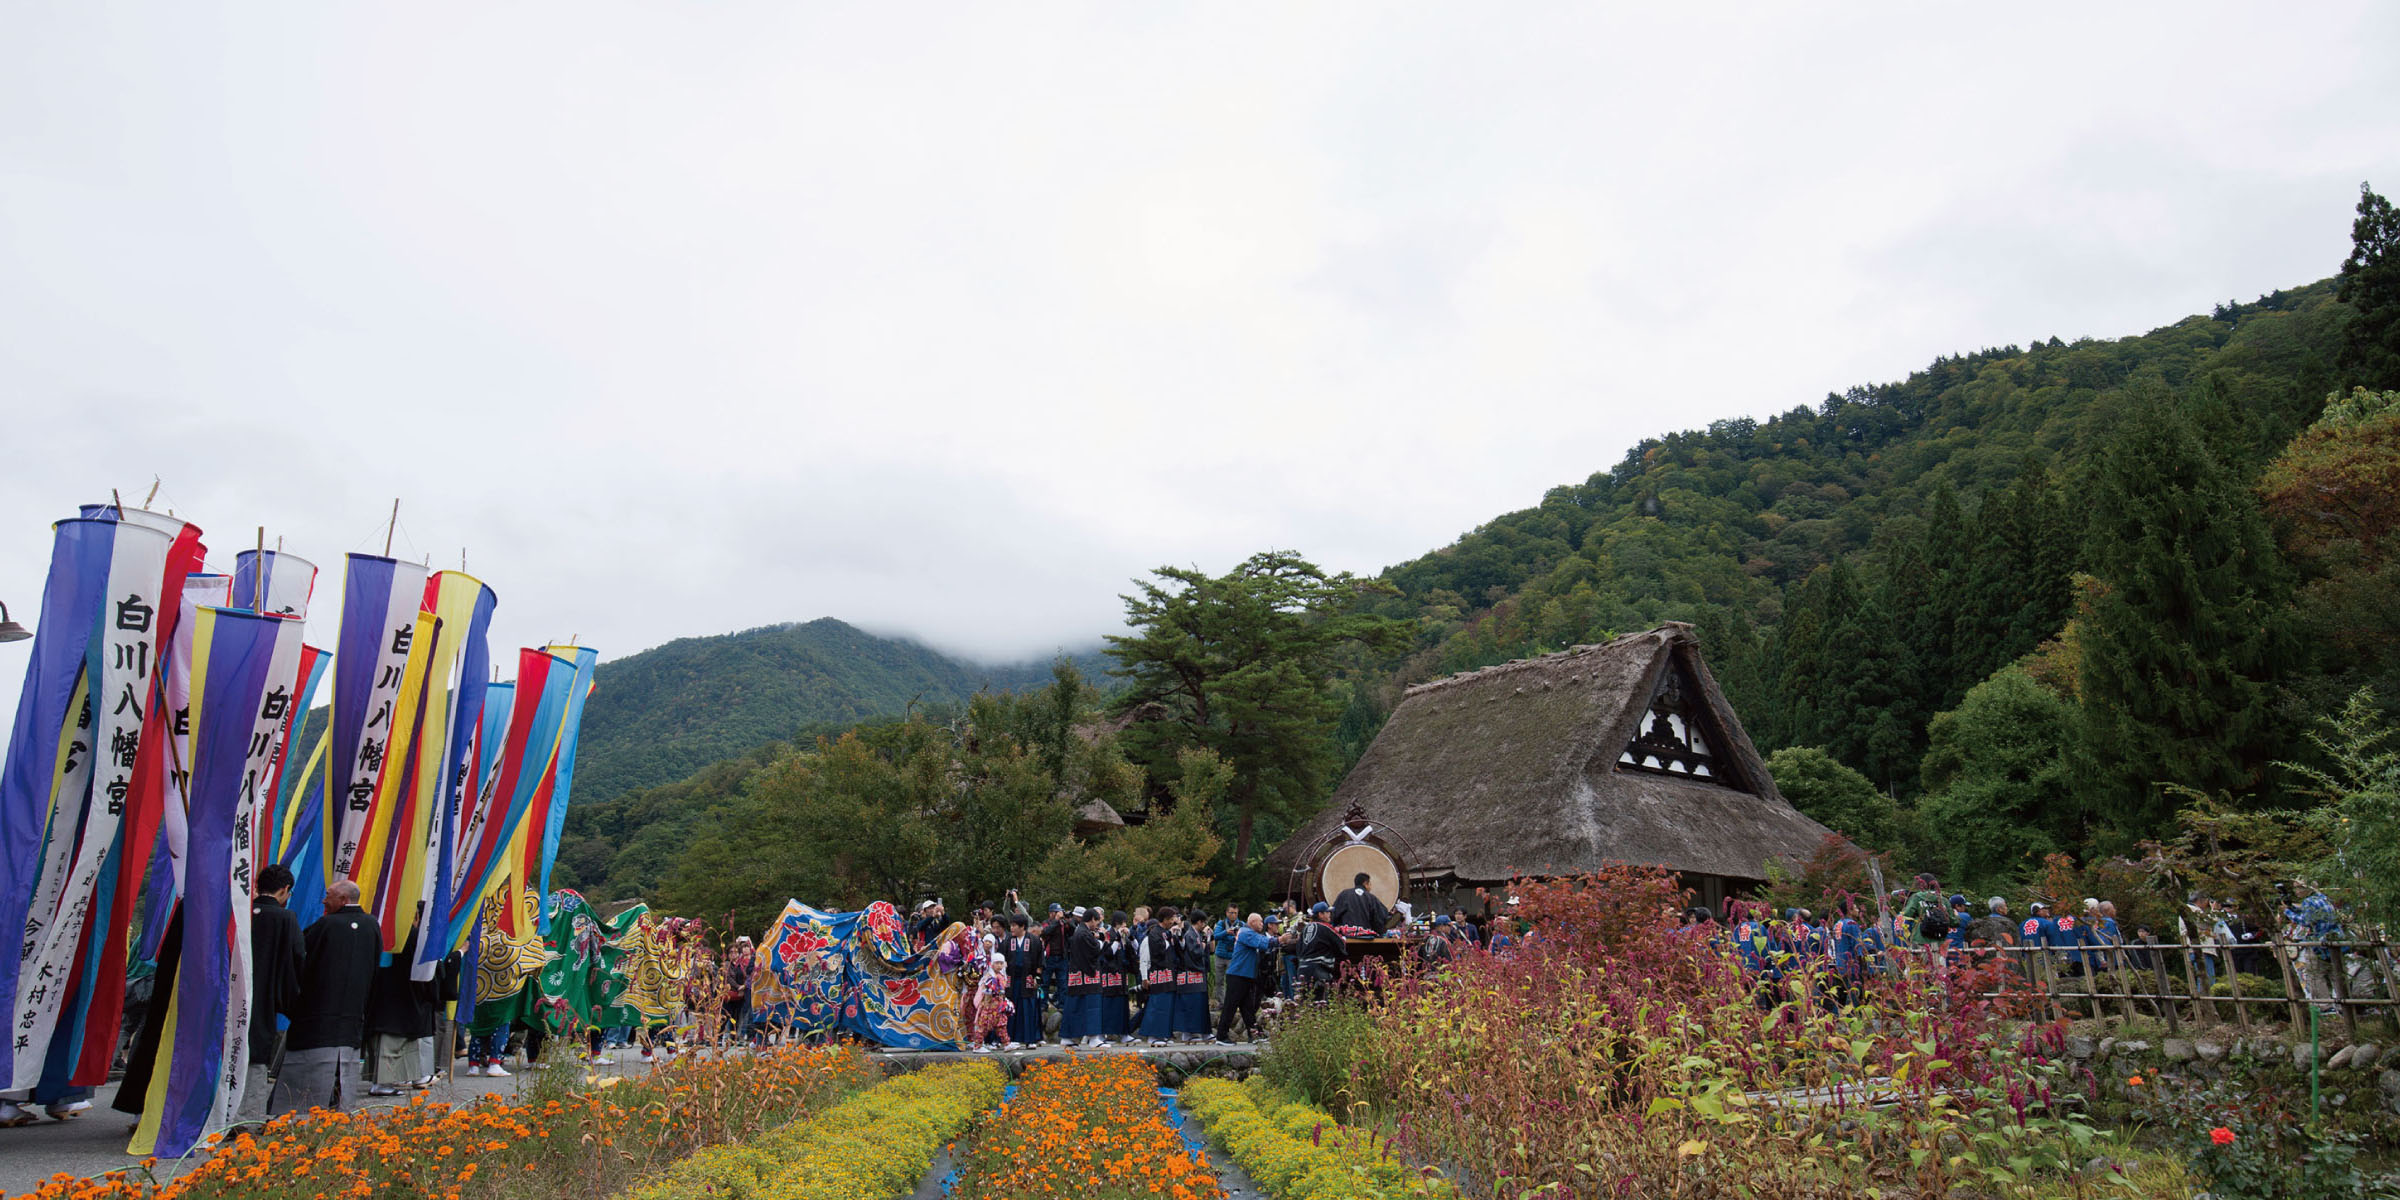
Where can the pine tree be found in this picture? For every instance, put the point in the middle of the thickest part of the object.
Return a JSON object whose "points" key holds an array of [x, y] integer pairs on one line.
{"points": [[2182, 638], [1809, 682], [2012, 588], [2370, 285], [1242, 665], [1913, 607]]}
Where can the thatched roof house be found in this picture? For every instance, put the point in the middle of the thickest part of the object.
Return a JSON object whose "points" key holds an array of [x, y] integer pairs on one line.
{"points": [[1624, 752]]}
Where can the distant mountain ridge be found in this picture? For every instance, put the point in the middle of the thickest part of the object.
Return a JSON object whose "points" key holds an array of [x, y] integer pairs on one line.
{"points": [[660, 715]]}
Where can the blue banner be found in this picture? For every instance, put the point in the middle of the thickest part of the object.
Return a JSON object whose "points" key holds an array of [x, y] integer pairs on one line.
{"points": [[71, 605], [232, 658]]}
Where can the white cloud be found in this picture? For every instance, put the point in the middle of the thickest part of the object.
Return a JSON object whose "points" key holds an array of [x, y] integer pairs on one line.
{"points": [[683, 319]]}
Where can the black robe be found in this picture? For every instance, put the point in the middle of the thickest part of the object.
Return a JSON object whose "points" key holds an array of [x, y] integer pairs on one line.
{"points": [[1192, 952], [1359, 907], [1116, 962], [337, 970], [134, 1090], [1321, 951], [1024, 959], [1161, 977], [274, 973], [399, 1006], [1083, 963]]}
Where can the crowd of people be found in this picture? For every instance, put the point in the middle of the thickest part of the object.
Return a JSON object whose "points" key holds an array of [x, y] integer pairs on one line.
{"points": [[1090, 976], [1860, 939], [330, 1015]]}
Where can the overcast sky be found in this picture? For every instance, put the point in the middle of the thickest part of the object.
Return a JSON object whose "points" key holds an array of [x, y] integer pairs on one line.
{"points": [[685, 318]]}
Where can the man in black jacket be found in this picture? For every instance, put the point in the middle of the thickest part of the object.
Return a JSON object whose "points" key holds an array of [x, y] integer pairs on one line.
{"points": [[338, 957], [1359, 908], [275, 960], [1321, 952]]}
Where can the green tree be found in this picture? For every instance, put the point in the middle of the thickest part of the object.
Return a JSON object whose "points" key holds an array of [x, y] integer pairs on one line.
{"points": [[2012, 586], [2361, 813], [2370, 285], [1812, 682], [2183, 635], [1999, 780], [2334, 495], [1161, 861], [1242, 665], [1839, 798]]}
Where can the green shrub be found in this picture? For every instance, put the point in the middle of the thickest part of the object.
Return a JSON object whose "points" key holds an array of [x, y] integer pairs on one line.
{"points": [[877, 1143], [2256, 986], [1325, 1054], [1297, 1151]]}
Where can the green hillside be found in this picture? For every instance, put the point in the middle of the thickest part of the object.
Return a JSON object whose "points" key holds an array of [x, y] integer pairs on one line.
{"points": [[2029, 601], [1948, 510], [665, 713]]}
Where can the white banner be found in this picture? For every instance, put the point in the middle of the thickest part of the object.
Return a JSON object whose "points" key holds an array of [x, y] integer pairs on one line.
{"points": [[124, 676]]}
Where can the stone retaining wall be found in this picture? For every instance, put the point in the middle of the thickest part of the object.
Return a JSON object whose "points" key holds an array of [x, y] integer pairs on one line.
{"points": [[2361, 1078]]}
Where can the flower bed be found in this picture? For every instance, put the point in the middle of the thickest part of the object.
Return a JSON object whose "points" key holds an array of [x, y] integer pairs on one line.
{"points": [[877, 1143], [1297, 1151], [573, 1135], [1091, 1128]]}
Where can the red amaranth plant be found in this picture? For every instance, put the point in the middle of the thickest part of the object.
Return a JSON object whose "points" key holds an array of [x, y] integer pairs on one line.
{"points": [[1616, 1051]]}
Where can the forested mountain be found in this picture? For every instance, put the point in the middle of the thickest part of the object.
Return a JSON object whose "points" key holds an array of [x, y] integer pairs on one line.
{"points": [[665, 713], [1858, 565], [2029, 601]]}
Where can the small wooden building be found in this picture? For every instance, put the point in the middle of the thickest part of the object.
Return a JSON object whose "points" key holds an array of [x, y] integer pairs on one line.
{"points": [[1624, 752]]}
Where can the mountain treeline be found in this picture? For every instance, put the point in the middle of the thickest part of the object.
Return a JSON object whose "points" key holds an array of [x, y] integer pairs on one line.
{"points": [[2024, 602], [2022, 593], [670, 711]]}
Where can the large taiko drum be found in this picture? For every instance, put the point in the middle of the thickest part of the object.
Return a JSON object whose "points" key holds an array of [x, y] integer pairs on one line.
{"points": [[1345, 864]]}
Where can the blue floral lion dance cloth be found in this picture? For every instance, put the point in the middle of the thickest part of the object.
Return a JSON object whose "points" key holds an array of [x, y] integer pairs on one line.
{"points": [[823, 972]]}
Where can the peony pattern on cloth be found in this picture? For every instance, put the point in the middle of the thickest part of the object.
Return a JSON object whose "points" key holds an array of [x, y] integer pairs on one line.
{"points": [[854, 972]]}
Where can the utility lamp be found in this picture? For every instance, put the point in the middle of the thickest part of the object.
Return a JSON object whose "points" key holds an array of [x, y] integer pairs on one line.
{"points": [[10, 631]]}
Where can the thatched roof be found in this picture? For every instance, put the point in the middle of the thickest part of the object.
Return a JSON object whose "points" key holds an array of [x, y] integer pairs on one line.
{"points": [[1522, 769], [1096, 817]]}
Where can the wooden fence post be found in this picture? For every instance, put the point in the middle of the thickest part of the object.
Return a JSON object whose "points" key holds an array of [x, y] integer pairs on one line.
{"points": [[2166, 1001], [2120, 972], [2291, 986], [2391, 985], [2339, 967], [2202, 1003]]}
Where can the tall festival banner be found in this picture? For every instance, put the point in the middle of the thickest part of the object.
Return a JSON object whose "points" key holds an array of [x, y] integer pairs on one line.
{"points": [[121, 666], [464, 604], [162, 881], [50, 742], [258, 759], [84, 1048], [587, 662], [275, 805], [302, 846], [379, 624], [233, 666], [384, 847], [273, 583], [258, 766], [494, 830]]}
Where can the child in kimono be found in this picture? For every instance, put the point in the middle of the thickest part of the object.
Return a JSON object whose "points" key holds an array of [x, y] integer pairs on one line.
{"points": [[992, 1006]]}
